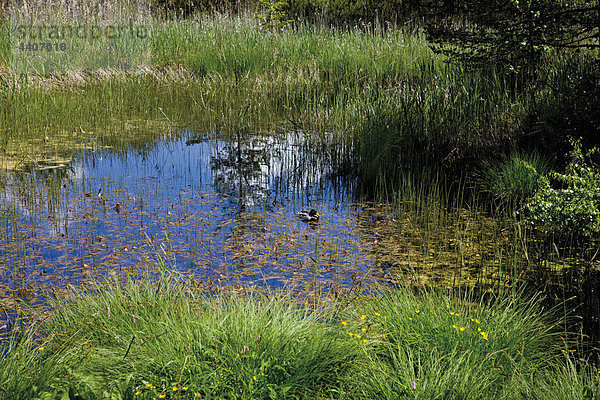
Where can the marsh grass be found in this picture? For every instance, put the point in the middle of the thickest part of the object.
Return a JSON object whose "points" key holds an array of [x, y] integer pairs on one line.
{"points": [[394, 108], [453, 345], [51, 37], [162, 337], [443, 117], [142, 339], [568, 380], [438, 232], [383, 91], [513, 181]]}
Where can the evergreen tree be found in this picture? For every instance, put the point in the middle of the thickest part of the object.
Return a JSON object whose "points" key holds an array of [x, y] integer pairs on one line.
{"points": [[514, 33]]}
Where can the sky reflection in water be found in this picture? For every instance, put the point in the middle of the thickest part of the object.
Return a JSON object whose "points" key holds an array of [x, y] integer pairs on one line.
{"points": [[223, 211]]}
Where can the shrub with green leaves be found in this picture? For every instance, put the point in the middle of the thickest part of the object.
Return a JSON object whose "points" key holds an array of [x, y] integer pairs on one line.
{"points": [[273, 15], [568, 204]]}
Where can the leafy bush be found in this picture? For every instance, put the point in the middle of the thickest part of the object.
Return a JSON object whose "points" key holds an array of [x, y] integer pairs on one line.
{"points": [[273, 15], [569, 203]]}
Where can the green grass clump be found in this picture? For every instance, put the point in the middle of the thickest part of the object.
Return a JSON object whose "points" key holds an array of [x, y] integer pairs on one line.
{"points": [[434, 345], [170, 339], [166, 338], [568, 380], [512, 181]]}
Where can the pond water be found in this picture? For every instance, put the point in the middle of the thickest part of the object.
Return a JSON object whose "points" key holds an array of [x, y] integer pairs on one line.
{"points": [[224, 211], [221, 210]]}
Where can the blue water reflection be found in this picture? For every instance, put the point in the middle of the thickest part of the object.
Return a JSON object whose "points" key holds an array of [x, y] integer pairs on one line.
{"points": [[221, 210]]}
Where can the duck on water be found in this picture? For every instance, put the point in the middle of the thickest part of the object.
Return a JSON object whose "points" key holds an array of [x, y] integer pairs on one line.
{"points": [[309, 216]]}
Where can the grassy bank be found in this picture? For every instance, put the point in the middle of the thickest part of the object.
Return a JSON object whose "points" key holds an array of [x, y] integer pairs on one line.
{"points": [[172, 339], [383, 90]]}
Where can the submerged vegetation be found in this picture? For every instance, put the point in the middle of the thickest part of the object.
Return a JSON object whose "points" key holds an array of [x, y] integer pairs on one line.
{"points": [[472, 231]]}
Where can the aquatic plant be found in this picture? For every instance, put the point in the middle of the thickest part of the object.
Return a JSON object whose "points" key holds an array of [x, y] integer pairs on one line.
{"points": [[513, 181]]}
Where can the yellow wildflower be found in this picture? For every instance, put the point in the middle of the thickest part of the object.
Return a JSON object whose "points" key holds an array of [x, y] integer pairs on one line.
{"points": [[138, 392], [350, 333], [377, 314], [363, 316], [485, 335], [254, 377], [476, 321], [417, 311], [196, 394], [184, 388], [162, 396], [462, 328], [363, 329], [409, 318], [358, 336], [455, 327], [364, 340], [451, 312], [41, 348], [479, 329], [175, 388], [344, 323]]}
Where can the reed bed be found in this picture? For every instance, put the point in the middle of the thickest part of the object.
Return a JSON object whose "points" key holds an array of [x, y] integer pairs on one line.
{"points": [[384, 91], [380, 88]]}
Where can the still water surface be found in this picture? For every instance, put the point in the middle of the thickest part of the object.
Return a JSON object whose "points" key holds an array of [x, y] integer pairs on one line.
{"points": [[224, 211]]}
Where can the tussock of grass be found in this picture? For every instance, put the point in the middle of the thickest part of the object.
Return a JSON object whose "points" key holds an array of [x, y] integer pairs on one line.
{"points": [[512, 181], [171, 338], [454, 347]]}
